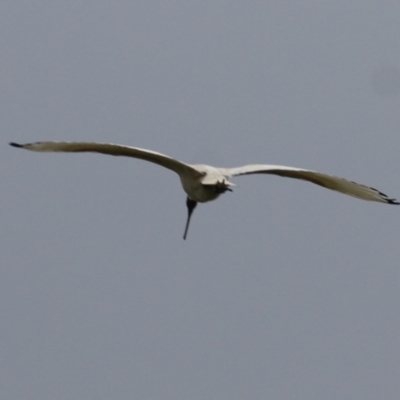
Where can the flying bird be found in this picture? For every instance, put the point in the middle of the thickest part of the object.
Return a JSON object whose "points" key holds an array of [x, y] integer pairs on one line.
{"points": [[204, 183]]}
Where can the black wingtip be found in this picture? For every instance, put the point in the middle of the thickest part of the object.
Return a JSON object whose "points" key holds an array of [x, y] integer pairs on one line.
{"points": [[386, 198], [15, 145], [389, 201], [393, 201]]}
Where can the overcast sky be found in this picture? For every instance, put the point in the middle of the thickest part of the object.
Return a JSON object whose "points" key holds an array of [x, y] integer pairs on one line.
{"points": [[283, 290]]}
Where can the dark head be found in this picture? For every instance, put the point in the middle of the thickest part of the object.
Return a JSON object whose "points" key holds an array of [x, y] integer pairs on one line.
{"points": [[191, 205]]}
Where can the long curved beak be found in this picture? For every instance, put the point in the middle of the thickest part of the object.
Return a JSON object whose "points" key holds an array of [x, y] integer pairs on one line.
{"points": [[191, 205]]}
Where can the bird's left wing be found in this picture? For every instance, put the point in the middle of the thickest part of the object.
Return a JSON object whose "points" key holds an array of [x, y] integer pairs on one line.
{"points": [[112, 149], [328, 181]]}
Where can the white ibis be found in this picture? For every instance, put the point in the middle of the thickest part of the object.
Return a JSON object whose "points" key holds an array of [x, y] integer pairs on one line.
{"points": [[204, 183]]}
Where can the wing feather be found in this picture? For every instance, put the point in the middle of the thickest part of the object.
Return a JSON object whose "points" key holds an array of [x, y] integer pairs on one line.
{"points": [[328, 181], [111, 149]]}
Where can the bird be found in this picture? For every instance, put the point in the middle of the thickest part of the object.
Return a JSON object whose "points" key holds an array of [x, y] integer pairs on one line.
{"points": [[203, 183]]}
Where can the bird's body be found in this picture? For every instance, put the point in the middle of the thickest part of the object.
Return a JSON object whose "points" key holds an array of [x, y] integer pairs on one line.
{"points": [[203, 183], [207, 186]]}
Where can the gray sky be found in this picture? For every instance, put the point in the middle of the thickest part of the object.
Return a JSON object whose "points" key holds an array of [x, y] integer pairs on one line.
{"points": [[283, 290]]}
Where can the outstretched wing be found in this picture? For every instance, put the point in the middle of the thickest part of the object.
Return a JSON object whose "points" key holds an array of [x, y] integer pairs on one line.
{"points": [[111, 149], [330, 182]]}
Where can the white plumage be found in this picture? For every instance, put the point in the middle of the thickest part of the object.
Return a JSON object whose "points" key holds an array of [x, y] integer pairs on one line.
{"points": [[204, 183]]}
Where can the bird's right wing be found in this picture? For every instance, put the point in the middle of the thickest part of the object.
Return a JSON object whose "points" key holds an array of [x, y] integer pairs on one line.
{"points": [[114, 150], [328, 181]]}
